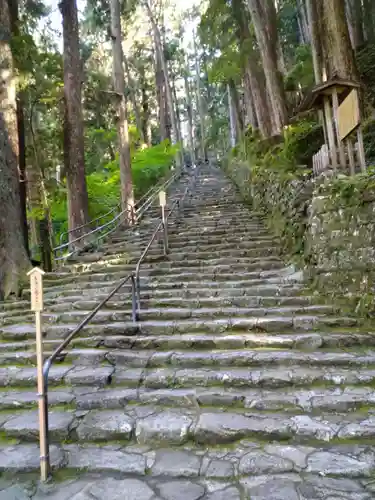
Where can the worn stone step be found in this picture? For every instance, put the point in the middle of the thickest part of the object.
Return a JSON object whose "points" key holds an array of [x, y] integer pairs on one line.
{"points": [[107, 316], [266, 324], [18, 376], [258, 470], [165, 427], [190, 359]]}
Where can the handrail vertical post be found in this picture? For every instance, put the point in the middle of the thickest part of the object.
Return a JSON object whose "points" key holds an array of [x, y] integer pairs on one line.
{"points": [[45, 431], [138, 293], [134, 300]]}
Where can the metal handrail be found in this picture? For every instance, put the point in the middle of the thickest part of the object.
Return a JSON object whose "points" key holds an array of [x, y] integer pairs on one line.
{"points": [[89, 224], [136, 215], [136, 308]]}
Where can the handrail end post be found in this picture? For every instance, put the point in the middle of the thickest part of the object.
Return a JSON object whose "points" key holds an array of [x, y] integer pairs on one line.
{"points": [[45, 462]]}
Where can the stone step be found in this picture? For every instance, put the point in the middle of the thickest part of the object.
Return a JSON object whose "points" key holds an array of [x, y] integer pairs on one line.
{"points": [[107, 316], [189, 359], [63, 303], [257, 470], [265, 324], [119, 313], [147, 425]]}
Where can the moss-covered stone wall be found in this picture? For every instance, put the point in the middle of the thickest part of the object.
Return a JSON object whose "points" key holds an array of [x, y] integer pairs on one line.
{"points": [[326, 227]]}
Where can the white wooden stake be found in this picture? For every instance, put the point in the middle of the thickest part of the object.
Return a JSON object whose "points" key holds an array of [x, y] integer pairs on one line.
{"points": [[36, 286]]}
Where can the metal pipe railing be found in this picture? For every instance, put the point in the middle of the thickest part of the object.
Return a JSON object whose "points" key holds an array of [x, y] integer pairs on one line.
{"points": [[48, 363], [135, 213], [136, 309]]}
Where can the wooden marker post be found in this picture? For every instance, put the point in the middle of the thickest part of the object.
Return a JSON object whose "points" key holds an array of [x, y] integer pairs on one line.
{"points": [[163, 202], [36, 286]]}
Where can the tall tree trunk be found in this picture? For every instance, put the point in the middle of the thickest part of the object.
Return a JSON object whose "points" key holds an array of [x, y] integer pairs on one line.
{"points": [[189, 112], [303, 21], [14, 262], [369, 19], [160, 95], [145, 118], [354, 16], [236, 109], [127, 195], [74, 158], [159, 46], [251, 118], [338, 52], [133, 98], [14, 17], [232, 119], [316, 47], [200, 102], [253, 69], [263, 14]]}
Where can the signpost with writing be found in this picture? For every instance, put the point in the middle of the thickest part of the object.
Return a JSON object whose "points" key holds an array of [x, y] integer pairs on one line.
{"points": [[36, 287]]}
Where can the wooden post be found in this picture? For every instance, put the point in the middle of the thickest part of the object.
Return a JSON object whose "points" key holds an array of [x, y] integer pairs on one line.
{"points": [[361, 149], [335, 102], [330, 132], [349, 146], [36, 286]]}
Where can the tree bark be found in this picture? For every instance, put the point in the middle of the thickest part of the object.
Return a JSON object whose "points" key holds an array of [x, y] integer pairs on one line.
{"points": [[74, 158], [251, 118], [303, 21], [159, 47], [263, 14], [236, 109], [369, 19], [200, 102], [127, 195], [253, 69], [316, 47], [189, 112], [14, 262], [354, 16], [145, 118], [14, 18], [160, 96], [337, 48], [232, 119], [133, 97]]}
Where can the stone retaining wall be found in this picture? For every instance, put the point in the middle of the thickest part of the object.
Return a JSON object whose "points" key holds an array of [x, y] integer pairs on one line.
{"points": [[330, 236]]}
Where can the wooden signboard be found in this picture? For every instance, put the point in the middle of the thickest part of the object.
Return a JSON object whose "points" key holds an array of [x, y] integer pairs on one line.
{"points": [[348, 115]]}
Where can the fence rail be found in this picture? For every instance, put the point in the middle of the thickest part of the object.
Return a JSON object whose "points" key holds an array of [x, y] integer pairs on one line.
{"points": [[94, 235]]}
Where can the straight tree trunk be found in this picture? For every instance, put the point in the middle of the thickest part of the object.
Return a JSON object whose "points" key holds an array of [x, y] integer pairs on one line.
{"points": [[303, 21], [251, 118], [127, 195], [160, 95], [316, 47], [74, 158], [159, 47], [354, 15], [253, 69], [14, 262], [232, 119], [200, 102], [133, 97], [14, 16], [145, 118], [337, 48], [263, 14], [369, 19], [189, 112], [236, 109]]}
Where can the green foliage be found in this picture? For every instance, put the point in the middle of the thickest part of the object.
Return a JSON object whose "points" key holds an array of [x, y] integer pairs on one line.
{"points": [[148, 167], [301, 75], [289, 154]]}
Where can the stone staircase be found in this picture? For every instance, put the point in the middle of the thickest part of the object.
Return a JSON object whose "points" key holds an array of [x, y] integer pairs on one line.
{"points": [[236, 384]]}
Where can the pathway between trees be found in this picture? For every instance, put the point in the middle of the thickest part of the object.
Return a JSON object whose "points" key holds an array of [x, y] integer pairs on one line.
{"points": [[236, 385]]}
